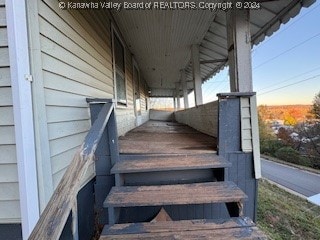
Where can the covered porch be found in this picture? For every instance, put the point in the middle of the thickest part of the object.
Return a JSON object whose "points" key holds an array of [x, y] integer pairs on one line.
{"points": [[202, 168]]}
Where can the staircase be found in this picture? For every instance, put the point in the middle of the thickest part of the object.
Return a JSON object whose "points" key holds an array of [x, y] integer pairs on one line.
{"points": [[175, 180]]}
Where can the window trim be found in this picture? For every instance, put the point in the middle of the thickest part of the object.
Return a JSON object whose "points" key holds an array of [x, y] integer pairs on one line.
{"points": [[116, 33]]}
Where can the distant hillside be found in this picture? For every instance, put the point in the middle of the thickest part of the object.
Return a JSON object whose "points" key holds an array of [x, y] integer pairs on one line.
{"points": [[283, 112]]}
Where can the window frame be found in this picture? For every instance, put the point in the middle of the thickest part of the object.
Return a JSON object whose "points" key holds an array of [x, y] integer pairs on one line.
{"points": [[115, 33]]}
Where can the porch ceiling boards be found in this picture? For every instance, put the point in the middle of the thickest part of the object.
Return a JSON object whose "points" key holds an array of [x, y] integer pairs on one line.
{"points": [[161, 39]]}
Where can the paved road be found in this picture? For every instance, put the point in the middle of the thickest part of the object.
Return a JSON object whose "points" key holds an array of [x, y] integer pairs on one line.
{"points": [[303, 182]]}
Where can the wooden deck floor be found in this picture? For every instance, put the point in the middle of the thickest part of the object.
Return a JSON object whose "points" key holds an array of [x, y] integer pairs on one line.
{"points": [[156, 137]]}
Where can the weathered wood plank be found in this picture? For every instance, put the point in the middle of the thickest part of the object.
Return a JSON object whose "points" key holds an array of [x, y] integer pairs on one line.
{"points": [[197, 193], [170, 226], [152, 163], [147, 147], [220, 234], [53, 218], [166, 137], [204, 232]]}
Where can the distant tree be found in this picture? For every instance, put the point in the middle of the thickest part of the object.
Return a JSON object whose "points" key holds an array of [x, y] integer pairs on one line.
{"points": [[284, 135], [316, 106], [265, 131], [289, 120]]}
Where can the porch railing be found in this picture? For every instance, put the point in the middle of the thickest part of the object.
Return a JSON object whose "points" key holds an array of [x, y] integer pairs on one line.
{"points": [[63, 201]]}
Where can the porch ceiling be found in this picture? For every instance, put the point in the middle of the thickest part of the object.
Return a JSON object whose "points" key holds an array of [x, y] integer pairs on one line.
{"points": [[161, 40]]}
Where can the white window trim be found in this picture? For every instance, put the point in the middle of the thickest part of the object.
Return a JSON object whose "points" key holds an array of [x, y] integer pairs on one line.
{"points": [[23, 114], [114, 32]]}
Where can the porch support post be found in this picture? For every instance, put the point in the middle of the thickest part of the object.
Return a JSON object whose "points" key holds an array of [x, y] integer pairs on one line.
{"points": [[239, 50], [178, 94], [174, 103], [196, 74], [185, 89]]}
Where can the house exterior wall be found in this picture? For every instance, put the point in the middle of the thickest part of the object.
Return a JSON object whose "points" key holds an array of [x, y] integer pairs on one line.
{"points": [[203, 118], [76, 56], [9, 189], [74, 63]]}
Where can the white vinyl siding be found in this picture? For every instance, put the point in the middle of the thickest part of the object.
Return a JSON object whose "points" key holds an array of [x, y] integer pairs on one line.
{"points": [[9, 187], [76, 64], [76, 58]]}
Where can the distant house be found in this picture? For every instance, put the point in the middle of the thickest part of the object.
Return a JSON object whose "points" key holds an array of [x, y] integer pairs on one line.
{"points": [[53, 56]]}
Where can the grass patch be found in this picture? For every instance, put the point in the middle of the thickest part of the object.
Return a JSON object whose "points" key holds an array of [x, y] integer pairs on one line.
{"points": [[282, 215]]}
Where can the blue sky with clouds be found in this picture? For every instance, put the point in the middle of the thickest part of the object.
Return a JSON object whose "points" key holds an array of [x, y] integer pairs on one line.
{"points": [[286, 66]]}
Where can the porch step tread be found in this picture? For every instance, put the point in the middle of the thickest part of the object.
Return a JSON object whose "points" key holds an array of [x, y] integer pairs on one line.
{"points": [[179, 194], [234, 228], [156, 163]]}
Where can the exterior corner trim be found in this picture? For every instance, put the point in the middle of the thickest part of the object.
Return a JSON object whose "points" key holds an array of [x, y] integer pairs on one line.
{"points": [[23, 114]]}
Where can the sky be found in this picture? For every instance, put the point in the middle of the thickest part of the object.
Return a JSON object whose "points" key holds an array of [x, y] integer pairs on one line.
{"points": [[285, 66]]}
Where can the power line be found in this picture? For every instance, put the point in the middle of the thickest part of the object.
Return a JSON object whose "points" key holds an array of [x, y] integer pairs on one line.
{"points": [[304, 80], [299, 75], [288, 50]]}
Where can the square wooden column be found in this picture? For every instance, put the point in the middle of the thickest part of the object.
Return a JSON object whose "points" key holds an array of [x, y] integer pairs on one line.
{"points": [[184, 89], [239, 50], [196, 74], [178, 95]]}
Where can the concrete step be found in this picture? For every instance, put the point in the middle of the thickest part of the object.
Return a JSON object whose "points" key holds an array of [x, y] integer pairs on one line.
{"points": [[234, 228]]}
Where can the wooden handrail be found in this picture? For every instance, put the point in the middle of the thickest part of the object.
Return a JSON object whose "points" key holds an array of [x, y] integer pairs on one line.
{"points": [[54, 217]]}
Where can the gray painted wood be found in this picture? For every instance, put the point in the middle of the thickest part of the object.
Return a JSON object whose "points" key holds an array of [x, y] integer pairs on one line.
{"points": [[197, 193], [106, 153], [229, 146], [157, 163], [234, 228]]}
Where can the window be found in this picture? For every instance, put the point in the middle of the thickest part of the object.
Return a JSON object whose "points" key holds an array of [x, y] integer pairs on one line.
{"points": [[119, 70]]}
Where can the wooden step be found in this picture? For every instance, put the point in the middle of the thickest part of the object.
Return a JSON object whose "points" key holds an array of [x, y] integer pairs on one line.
{"points": [[235, 228], [156, 163], [195, 193]]}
